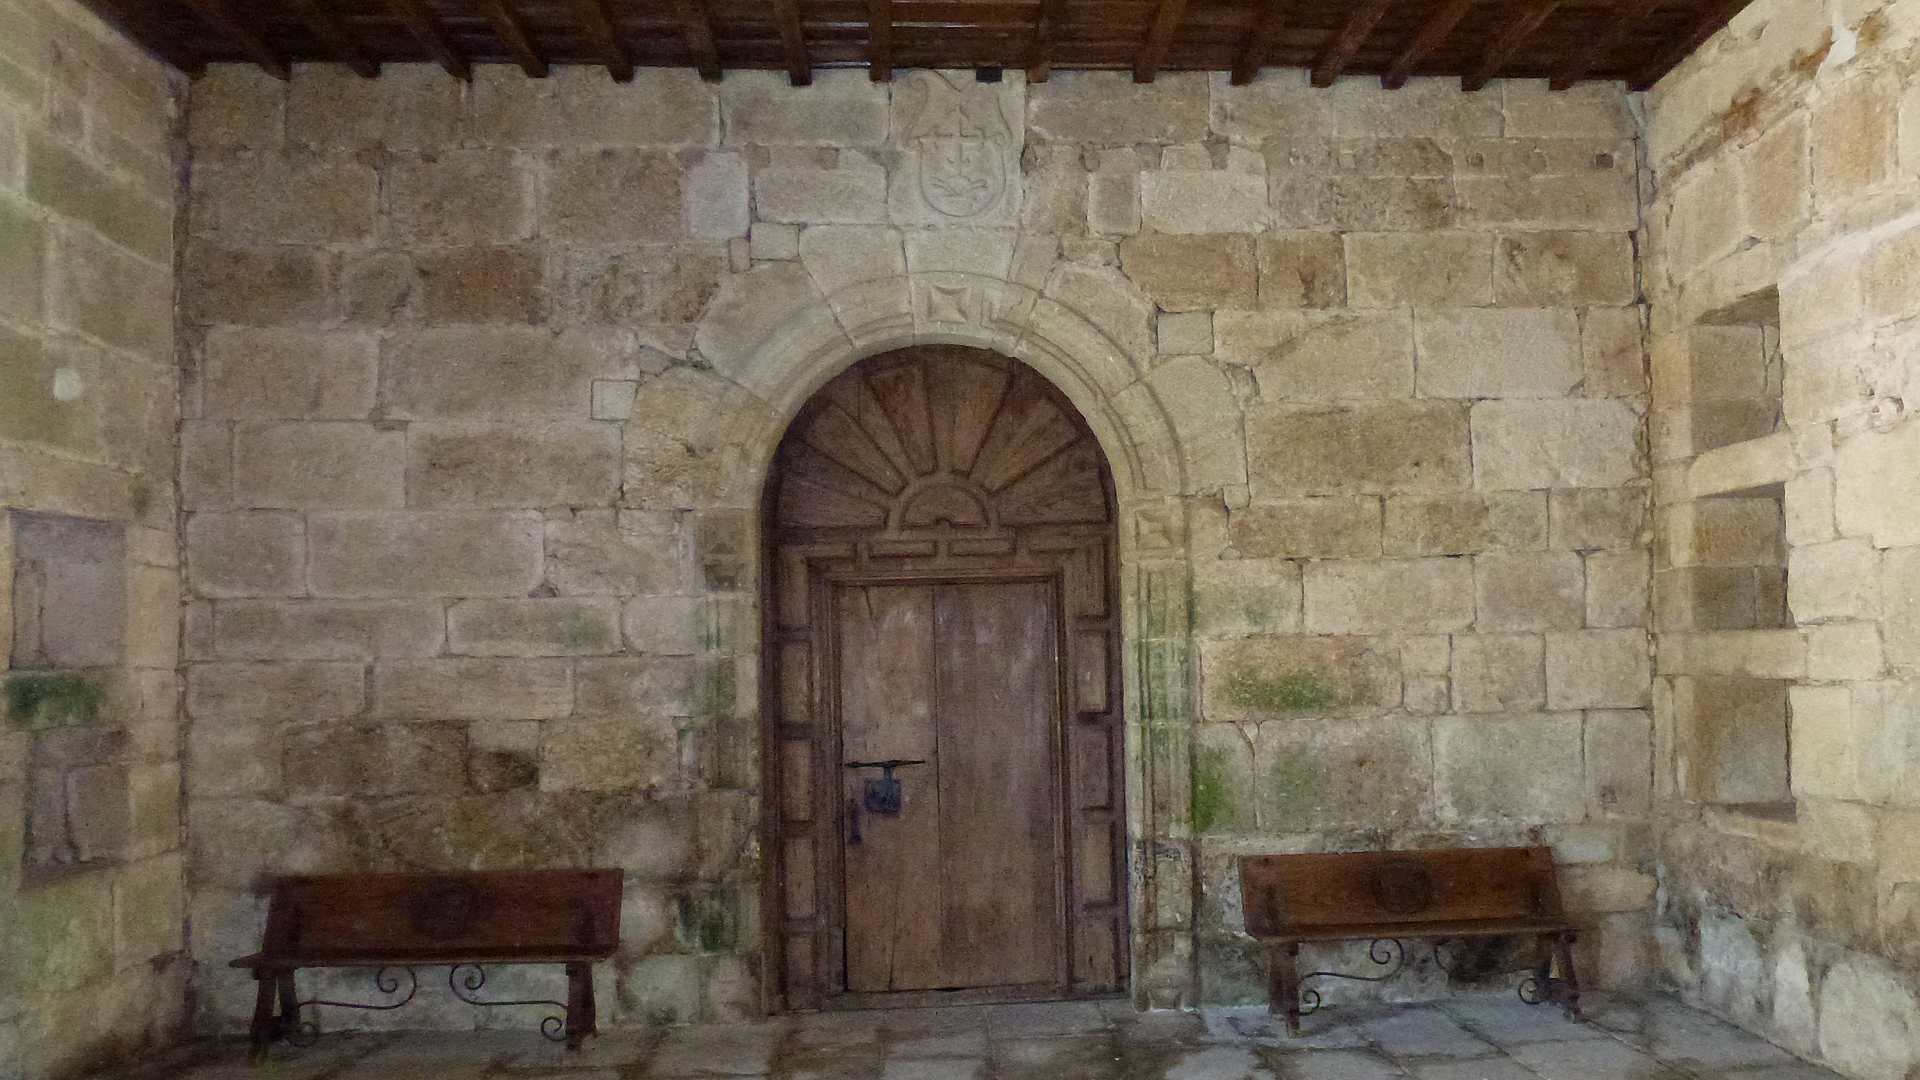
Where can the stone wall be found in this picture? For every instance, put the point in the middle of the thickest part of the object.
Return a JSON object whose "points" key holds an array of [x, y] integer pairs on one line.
{"points": [[1784, 240], [484, 380], [92, 898]]}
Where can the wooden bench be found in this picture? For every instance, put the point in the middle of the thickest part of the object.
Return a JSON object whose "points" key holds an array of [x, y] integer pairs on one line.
{"points": [[468, 921], [1386, 896]]}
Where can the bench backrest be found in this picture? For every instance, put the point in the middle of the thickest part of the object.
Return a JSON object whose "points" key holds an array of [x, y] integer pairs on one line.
{"points": [[1285, 892], [423, 916]]}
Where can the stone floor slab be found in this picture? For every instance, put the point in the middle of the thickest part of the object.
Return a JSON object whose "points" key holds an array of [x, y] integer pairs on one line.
{"points": [[1508, 1022], [1423, 1033], [1590, 1059]]}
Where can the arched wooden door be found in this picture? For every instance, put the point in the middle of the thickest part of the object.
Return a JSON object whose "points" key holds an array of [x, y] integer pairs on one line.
{"points": [[942, 596]]}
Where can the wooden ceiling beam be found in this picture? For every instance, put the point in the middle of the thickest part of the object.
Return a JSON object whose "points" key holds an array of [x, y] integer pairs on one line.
{"points": [[880, 40], [699, 31], [1269, 19], [1338, 52], [1526, 19], [1040, 53], [1166, 20], [336, 37], [425, 29], [1711, 18], [241, 30], [513, 34], [597, 23], [1580, 59], [1432, 33], [793, 38]]}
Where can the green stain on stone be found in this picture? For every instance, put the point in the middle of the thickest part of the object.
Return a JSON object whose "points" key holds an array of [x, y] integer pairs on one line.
{"points": [[1289, 692], [1212, 805], [1292, 781], [52, 699]]}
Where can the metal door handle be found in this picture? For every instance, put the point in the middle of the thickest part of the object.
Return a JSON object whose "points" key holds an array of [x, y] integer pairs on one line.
{"points": [[886, 767]]}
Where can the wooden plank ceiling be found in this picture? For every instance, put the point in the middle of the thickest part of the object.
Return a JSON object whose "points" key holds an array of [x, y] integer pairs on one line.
{"points": [[1567, 41]]}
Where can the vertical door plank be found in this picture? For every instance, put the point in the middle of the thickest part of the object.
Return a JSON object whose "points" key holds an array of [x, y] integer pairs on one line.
{"points": [[999, 671], [887, 711]]}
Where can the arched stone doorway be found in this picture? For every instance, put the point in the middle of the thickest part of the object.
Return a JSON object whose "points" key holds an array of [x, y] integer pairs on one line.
{"points": [[942, 590]]}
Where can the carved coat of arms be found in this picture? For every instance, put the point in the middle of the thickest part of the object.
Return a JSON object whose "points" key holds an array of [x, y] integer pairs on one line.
{"points": [[961, 142]]}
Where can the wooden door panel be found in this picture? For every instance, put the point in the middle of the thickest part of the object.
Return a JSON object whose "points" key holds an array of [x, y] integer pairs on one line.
{"points": [[1000, 829]]}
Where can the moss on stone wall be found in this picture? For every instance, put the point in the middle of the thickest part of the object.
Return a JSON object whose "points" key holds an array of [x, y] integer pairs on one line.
{"points": [[1279, 695], [1212, 805], [47, 699]]}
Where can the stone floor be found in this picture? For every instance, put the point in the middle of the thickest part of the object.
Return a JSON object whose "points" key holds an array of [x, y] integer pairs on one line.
{"points": [[1471, 1038]]}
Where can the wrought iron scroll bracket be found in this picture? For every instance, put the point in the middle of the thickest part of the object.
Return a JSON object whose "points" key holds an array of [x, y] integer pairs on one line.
{"points": [[1388, 953], [307, 1032], [554, 1027]]}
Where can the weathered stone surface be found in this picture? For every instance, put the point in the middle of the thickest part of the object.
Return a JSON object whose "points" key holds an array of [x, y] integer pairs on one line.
{"points": [[608, 755], [1836, 580], [482, 285], [1321, 528], [1613, 352], [1555, 444], [78, 189], [1302, 269], [1868, 1020], [256, 286], [612, 196], [1107, 107], [591, 552], [1192, 273], [1498, 673], [1900, 600], [1600, 198], [1389, 596], [1619, 762], [246, 554], [232, 108], [472, 690], [1876, 492], [1318, 357], [663, 625], [495, 373], [1264, 677], [23, 250], [328, 630], [1434, 269], [285, 199], [394, 759], [287, 375], [1617, 588], [108, 295], [318, 466], [1410, 447], [1474, 777], [1343, 774], [468, 465], [1204, 200], [629, 688], [463, 197], [1571, 268], [1113, 194], [1186, 333], [1465, 523], [1588, 519], [717, 193], [559, 626], [1498, 353], [1240, 597], [375, 555], [841, 108], [1597, 669], [264, 694], [826, 187], [1533, 590]]}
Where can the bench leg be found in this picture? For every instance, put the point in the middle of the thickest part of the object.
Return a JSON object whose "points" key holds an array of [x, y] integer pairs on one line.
{"points": [[1283, 984], [581, 1021], [1569, 982], [264, 1028]]}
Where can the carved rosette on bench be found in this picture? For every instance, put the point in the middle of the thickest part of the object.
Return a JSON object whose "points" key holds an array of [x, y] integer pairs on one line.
{"points": [[1386, 898], [394, 923]]}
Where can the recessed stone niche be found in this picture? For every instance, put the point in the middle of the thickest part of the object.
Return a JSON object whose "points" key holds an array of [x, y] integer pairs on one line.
{"points": [[68, 578]]}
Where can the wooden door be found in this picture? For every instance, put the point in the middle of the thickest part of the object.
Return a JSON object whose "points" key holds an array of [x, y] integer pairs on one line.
{"points": [[941, 537]]}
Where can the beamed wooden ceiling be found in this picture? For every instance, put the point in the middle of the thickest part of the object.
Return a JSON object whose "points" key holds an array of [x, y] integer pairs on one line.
{"points": [[1567, 41]]}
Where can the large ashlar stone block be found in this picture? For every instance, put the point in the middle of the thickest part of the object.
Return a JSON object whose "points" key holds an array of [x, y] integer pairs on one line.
{"points": [[268, 694], [1836, 580], [1183, 200], [498, 689], [1598, 669], [1876, 488], [287, 375], [1555, 444], [1464, 523], [285, 199], [257, 286], [1900, 606], [1869, 1021], [418, 554], [1054, 177], [1613, 352], [1246, 596], [842, 255], [556, 626], [647, 286], [1475, 780], [608, 755], [1113, 194], [461, 197], [1389, 596], [1352, 773], [1591, 519], [664, 625], [319, 466], [1438, 269], [1302, 269], [410, 107], [1265, 677], [76, 188], [1109, 108], [1855, 129], [110, 296], [1495, 673], [626, 688], [1336, 527], [1563, 268], [233, 107], [1301, 357], [1529, 590], [1617, 588], [821, 187], [1424, 108], [1414, 447], [614, 196], [636, 553], [392, 759], [1498, 352], [1587, 111], [841, 108], [482, 285], [497, 373], [1603, 197], [1192, 273], [1619, 765], [327, 629], [1276, 100], [246, 554], [466, 465], [660, 107], [23, 250], [717, 194]]}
